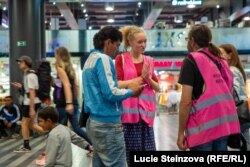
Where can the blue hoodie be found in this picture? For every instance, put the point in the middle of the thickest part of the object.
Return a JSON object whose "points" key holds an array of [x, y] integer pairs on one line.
{"points": [[102, 97]]}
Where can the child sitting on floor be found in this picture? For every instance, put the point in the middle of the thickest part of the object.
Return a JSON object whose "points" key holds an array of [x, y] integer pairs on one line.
{"points": [[58, 147]]}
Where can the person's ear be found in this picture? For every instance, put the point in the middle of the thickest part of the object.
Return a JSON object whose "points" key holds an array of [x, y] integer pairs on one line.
{"points": [[49, 121]]}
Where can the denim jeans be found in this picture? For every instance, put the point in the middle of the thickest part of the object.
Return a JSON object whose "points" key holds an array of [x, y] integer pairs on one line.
{"points": [[73, 119], [216, 145], [245, 132], [108, 142]]}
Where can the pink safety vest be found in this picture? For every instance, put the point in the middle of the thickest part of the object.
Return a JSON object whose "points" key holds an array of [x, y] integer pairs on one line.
{"points": [[143, 106], [214, 114]]}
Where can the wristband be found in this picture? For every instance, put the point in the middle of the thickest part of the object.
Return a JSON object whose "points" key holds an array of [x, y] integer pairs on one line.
{"points": [[69, 103]]}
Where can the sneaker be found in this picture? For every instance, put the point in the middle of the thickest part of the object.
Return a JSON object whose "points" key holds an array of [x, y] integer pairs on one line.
{"points": [[15, 136], [22, 150]]}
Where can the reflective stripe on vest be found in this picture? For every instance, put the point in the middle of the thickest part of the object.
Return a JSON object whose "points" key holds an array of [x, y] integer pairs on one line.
{"points": [[147, 98], [135, 111], [212, 124], [210, 102]]}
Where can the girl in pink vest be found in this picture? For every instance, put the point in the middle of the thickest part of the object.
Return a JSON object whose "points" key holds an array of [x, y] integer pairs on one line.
{"points": [[138, 112], [207, 111]]}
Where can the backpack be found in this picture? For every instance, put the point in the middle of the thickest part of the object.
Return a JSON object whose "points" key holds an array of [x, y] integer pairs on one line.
{"points": [[43, 73]]}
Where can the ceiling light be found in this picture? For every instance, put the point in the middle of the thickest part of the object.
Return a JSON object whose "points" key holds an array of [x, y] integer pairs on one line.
{"points": [[178, 19], [217, 6], [109, 6], [139, 4], [84, 11], [110, 19], [82, 5], [246, 18], [54, 3], [191, 6], [86, 15], [90, 28], [4, 8]]}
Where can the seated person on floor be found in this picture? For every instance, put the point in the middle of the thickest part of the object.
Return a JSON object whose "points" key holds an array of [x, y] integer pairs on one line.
{"points": [[9, 115]]}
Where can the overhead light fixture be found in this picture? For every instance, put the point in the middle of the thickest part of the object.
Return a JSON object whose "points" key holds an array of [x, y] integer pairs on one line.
{"points": [[190, 6], [110, 19], [246, 18], [82, 5], [109, 6], [217, 6], [178, 19]]}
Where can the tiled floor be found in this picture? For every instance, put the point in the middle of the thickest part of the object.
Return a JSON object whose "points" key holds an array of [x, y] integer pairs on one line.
{"points": [[165, 136]]}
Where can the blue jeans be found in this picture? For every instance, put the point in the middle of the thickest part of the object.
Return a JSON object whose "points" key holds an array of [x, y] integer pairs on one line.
{"points": [[73, 119], [108, 142], [245, 132], [216, 145]]}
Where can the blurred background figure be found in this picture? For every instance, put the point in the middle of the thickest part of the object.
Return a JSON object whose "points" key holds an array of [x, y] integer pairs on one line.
{"points": [[230, 53], [173, 99]]}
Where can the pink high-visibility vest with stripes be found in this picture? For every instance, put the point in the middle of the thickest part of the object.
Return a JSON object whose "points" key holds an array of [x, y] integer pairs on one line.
{"points": [[213, 114], [143, 106]]}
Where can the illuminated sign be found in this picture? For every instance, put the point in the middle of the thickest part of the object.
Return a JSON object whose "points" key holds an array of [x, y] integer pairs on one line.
{"points": [[168, 64], [186, 2]]}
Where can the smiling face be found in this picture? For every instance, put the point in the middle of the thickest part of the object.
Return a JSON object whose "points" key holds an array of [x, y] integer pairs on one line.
{"points": [[138, 43]]}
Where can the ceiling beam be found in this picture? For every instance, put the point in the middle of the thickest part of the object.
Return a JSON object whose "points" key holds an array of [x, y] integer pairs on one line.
{"points": [[153, 15], [68, 15]]}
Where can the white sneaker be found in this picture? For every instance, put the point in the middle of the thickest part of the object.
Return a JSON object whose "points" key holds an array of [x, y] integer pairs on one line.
{"points": [[22, 150]]}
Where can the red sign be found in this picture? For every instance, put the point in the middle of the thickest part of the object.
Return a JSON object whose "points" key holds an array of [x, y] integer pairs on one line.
{"points": [[168, 63]]}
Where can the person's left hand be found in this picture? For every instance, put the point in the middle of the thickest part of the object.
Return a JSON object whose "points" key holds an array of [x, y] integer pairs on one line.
{"points": [[90, 153], [7, 124], [145, 70]]}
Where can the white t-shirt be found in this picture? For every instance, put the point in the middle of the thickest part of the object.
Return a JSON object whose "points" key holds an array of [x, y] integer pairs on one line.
{"points": [[30, 81]]}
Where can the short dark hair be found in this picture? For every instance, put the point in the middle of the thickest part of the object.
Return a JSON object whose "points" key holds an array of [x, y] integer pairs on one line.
{"points": [[105, 33], [49, 113]]}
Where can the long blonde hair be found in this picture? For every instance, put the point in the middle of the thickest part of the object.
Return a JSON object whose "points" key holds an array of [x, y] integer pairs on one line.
{"points": [[64, 61], [128, 33]]}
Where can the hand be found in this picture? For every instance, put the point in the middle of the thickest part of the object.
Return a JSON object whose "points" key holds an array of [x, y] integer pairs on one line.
{"points": [[138, 80], [69, 108], [8, 125], [136, 88], [145, 70], [32, 112], [181, 142], [90, 153], [16, 85]]}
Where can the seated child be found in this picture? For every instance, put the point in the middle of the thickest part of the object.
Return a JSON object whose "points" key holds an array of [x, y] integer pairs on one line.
{"points": [[58, 146]]}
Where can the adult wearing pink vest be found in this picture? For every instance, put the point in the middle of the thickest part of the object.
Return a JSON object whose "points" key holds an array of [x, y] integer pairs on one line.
{"points": [[138, 112], [207, 114]]}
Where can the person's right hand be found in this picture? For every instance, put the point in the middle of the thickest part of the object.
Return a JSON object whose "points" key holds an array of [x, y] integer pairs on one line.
{"points": [[69, 108], [16, 85], [136, 88], [138, 80], [181, 142]]}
